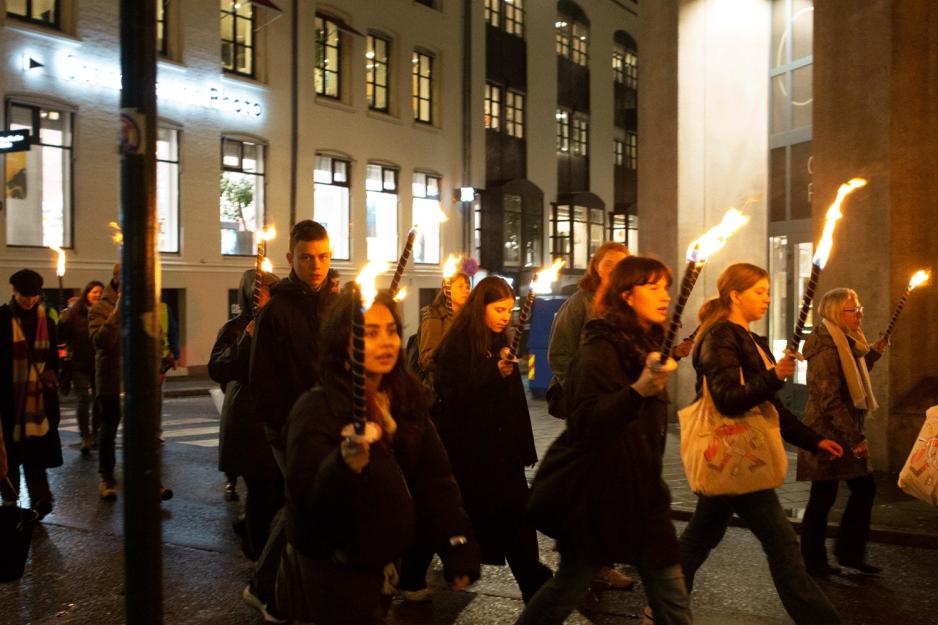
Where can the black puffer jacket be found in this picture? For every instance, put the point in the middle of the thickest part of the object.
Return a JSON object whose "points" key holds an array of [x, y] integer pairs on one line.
{"points": [[285, 349], [726, 347]]}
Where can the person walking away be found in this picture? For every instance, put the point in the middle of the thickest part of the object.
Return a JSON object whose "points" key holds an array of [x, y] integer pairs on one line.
{"points": [[355, 502], [741, 373], [73, 331], [617, 406], [839, 397], [29, 403], [242, 447]]}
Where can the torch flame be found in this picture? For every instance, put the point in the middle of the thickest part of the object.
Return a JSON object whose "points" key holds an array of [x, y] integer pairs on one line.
{"points": [[544, 278], [117, 235], [830, 221], [60, 262], [715, 238], [920, 278], [451, 266], [267, 266], [267, 234], [401, 294], [366, 281]]}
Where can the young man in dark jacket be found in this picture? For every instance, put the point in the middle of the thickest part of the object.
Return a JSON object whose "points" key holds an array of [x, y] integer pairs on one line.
{"points": [[285, 364]]}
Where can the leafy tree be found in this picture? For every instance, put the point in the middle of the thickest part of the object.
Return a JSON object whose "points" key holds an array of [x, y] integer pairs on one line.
{"points": [[236, 195]]}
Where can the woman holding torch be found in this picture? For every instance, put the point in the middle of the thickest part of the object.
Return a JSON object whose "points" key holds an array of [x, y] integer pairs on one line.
{"points": [[741, 373], [354, 501], [839, 397], [436, 319], [73, 331]]}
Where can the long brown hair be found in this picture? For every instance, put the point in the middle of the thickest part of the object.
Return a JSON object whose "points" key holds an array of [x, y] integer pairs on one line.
{"points": [[629, 273], [737, 277], [469, 324], [590, 282], [440, 299]]}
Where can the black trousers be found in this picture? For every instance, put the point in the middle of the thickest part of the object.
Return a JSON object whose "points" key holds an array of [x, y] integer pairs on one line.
{"points": [[850, 545], [110, 406]]}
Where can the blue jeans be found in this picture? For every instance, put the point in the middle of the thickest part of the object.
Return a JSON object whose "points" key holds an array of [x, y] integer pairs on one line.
{"points": [[557, 598], [803, 599]]}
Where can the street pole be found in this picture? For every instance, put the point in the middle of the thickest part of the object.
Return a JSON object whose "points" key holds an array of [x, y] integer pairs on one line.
{"points": [[140, 325]]}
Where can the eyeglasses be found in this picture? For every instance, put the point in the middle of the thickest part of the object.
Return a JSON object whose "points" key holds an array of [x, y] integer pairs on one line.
{"points": [[858, 310]]}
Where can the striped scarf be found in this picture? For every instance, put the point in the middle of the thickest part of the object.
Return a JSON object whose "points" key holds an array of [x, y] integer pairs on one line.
{"points": [[28, 365]]}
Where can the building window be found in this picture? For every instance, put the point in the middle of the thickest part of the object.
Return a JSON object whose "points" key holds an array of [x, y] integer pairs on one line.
{"points": [[618, 152], [242, 196], [623, 228], [331, 202], [423, 86], [327, 57], [631, 151], [630, 69], [493, 10], [381, 213], [618, 65], [376, 73], [44, 12], [237, 37], [579, 136], [562, 27], [493, 107], [514, 114], [514, 17], [563, 130], [167, 189], [580, 44], [576, 232], [522, 233], [38, 182], [427, 213], [162, 44]]}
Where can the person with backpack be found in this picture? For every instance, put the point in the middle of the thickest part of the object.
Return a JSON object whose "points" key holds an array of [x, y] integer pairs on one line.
{"points": [[435, 320]]}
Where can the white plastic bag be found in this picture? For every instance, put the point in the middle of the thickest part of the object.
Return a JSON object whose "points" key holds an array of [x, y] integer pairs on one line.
{"points": [[919, 476]]}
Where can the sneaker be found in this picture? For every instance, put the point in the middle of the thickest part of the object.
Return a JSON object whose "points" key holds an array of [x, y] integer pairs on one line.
{"points": [[107, 488], [254, 601], [416, 596], [165, 493], [231, 491], [610, 578]]}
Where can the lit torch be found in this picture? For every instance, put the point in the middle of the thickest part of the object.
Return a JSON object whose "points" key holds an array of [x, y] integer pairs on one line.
{"points": [[262, 264], [449, 270], [820, 259], [698, 252], [117, 236], [365, 293], [920, 278], [540, 285], [60, 272]]}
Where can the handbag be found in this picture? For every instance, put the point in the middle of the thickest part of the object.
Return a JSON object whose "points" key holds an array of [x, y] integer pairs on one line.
{"points": [[919, 476], [731, 455], [561, 487]]}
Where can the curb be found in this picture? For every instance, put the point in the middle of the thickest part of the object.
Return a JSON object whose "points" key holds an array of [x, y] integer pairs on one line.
{"points": [[186, 392]]}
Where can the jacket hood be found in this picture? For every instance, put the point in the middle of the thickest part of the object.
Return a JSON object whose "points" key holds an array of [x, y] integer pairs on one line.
{"points": [[293, 285], [246, 290]]}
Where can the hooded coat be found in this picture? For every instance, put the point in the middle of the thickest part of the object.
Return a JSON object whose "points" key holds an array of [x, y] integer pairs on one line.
{"points": [[104, 330]]}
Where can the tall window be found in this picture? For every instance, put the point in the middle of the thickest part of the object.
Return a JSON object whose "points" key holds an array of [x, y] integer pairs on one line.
{"points": [[630, 68], [376, 73], [562, 36], [579, 136], [242, 196], [162, 45], [631, 151], [493, 106], [576, 232], [563, 130], [381, 212], [331, 202], [618, 152], [39, 11], [327, 57], [39, 182], [167, 188], [618, 64], [514, 114], [493, 11], [237, 37], [514, 17], [572, 40], [522, 232], [427, 209], [423, 86]]}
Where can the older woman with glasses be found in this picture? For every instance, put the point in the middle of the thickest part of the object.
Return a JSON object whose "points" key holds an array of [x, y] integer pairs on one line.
{"points": [[839, 396]]}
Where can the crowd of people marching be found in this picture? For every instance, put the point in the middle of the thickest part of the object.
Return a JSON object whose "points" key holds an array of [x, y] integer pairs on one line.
{"points": [[339, 521]]}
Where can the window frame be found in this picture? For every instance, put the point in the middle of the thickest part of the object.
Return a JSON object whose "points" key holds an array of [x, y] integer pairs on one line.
{"points": [[162, 21], [417, 82], [579, 135], [563, 127], [252, 48], [394, 190], [618, 152], [261, 184], [320, 49], [513, 18], [421, 233], [56, 23], [178, 171], [514, 114], [371, 73], [556, 237], [346, 184], [492, 107], [631, 151]]}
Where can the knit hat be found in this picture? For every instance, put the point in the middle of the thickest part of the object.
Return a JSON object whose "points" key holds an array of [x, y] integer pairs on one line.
{"points": [[27, 282]]}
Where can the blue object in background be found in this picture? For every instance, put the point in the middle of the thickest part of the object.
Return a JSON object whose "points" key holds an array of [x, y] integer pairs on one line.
{"points": [[542, 320]]}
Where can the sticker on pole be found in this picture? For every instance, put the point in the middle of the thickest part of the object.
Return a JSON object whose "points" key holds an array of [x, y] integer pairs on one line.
{"points": [[133, 131]]}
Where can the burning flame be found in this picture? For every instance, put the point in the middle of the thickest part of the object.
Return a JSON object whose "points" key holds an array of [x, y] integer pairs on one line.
{"points": [[920, 278], [366, 281], [267, 234], [715, 238], [267, 266], [451, 266], [830, 221], [544, 278], [60, 262], [117, 235], [401, 294]]}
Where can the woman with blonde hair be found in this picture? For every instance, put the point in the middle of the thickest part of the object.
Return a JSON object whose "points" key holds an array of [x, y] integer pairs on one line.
{"points": [[741, 373], [839, 397]]}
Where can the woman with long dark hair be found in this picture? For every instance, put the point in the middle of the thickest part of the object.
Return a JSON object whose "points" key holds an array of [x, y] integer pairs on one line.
{"points": [[483, 418], [73, 331], [435, 321], [617, 421], [354, 502], [741, 373]]}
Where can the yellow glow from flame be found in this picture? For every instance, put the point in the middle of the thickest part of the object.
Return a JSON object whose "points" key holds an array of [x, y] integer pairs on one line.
{"points": [[451, 266], [920, 278], [830, 221], [366, 281], [715, 238], [267, 266], [60, 261], [544, 278], [267, 234], [117, 236], [401, 294]]}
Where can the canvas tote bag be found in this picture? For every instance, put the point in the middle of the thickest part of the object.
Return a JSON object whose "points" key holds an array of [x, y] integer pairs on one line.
{"points": [[919, 476]]}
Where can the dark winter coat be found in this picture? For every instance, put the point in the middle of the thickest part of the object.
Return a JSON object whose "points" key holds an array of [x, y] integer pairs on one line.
{"points": [[365, 521], [626, 509], [242, 445], [485, 425], [48, 448], [830, 410], [105, 332], [73, 330], [719, 354], [566, 331], [285, 349]]}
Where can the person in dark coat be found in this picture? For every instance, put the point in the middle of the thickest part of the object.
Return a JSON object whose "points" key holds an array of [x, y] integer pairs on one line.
{"points": [[482, 415], [839, 397], [354, 503], [617, 409], [725, 348], [242, 446], [29, 404], [73, 331]]}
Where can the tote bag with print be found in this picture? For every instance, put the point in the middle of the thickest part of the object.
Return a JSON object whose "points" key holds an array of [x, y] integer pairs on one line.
{"points": [[919, 476]]}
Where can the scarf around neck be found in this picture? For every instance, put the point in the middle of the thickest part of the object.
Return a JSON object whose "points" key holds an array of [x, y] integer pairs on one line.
{"points": [[853, 364], [29, 362]]}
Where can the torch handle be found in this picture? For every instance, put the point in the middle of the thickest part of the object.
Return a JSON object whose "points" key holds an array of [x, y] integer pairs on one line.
{"points": [[806, 301], [261, 253], [359, 403], [402, 262], [448, 295], [895, 314], [522, 319], [62, 303], [691, 271]]}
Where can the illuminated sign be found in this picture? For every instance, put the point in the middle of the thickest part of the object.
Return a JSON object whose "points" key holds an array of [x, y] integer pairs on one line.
{"points": [[14, 141]]}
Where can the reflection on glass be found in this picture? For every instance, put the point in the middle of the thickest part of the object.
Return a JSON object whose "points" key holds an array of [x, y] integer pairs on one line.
{"points": [[801, 97], [778, 311], [805, 252], [332, 211], [802, 28], [381, 226], [512, 230]]}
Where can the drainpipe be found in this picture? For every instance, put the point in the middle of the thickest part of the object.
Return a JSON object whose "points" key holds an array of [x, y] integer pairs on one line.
{"points": [[294, 112], [467, 120]]}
